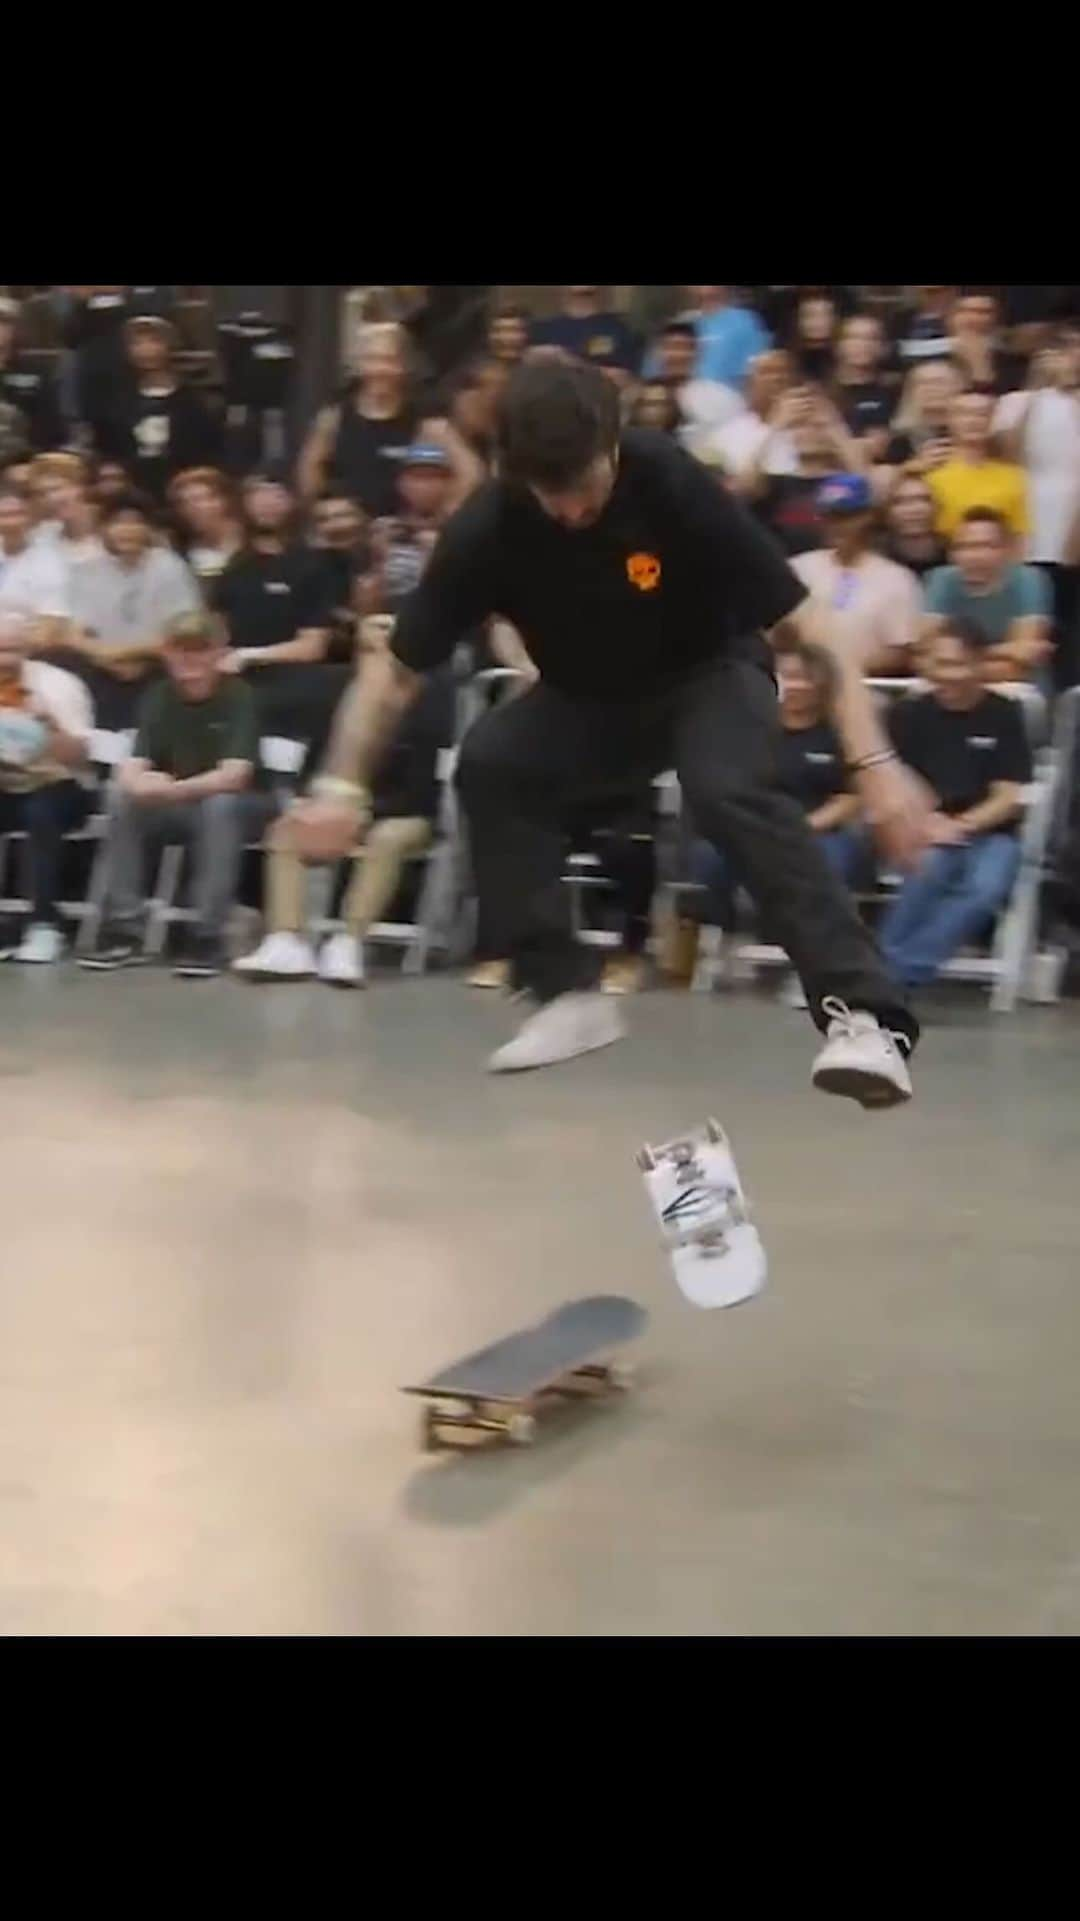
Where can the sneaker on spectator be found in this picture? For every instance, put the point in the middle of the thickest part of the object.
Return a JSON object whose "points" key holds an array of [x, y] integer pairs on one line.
{"points": [[41, 945], [280, 957], [861, 1058], [489, 973], [571, 1024], [115, 947], [341, 961], [200, 957], [623, 974]]}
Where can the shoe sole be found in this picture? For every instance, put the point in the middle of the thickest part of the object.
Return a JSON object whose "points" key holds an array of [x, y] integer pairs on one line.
{"points": [[197, 973], [347, 985], [264, 979], [93, 966], [872, 1091], [532, 1067]]}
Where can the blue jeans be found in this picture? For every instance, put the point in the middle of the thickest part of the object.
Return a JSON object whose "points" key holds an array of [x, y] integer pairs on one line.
{"points": [[945, 903], [843, 848]]}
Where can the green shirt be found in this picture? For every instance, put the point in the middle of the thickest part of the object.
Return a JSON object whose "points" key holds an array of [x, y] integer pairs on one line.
{"points": [[187, 737]]}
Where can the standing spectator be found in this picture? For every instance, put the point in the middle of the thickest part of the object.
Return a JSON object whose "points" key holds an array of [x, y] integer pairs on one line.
{"points": [[924, 329], [273, 594], [153, 423], [193, 761], [93, 330], [755, 437], [1040, 427], [348, 445], [871, 604], [590, 331], [207, 515], [971, 476], [910, 536], [28, 388], [121, 605], [728, 336], [45, 724], [975, 345], [507, 334], [1006, 604], [813, 340], [866, 401], [970, 748], [32, 579], [922, 436]]}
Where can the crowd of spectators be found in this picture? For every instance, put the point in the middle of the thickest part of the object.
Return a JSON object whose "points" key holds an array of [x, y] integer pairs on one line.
{"points": [[917, 457]]}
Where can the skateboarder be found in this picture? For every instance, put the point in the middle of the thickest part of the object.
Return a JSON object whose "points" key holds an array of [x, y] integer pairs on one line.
{"points": [[642, 592]]}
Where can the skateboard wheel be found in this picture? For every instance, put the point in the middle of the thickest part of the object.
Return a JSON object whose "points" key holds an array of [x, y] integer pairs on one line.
{"points": [[646, 1160], [521, 1430]]}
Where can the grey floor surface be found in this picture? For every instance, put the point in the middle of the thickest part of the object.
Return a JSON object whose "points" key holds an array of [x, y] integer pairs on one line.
{"points": [[237, 1219]]}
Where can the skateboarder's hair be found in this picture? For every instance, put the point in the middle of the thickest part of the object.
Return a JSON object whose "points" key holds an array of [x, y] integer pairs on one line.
{"points": [[555, 419]]}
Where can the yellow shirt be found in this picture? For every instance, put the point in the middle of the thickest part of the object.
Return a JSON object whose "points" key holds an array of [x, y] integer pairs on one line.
{"points": [[959, 485]]}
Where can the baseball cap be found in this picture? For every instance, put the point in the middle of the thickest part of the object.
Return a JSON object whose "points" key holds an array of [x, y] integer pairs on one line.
{"points": [[421, 454], [844, 494]]}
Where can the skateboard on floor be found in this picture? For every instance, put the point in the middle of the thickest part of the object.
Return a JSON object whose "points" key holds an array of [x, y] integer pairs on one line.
{"points": [[498, 1390], [697, 1197]]}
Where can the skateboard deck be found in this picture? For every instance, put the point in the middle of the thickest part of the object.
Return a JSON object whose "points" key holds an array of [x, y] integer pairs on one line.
{"points": [[697, 1197], [496, 1389]]}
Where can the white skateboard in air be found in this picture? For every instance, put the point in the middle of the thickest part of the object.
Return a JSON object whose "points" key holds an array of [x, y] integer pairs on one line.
{"points": [[697, 1197]]}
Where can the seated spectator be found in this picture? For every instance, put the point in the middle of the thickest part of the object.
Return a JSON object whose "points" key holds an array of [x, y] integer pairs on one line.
{"points": [[70, 518], [405, 803], [813, 338], [401, 547], [921, 430], [1039, 426], [348, 444], [32, 577], [656, 405], [507, 334], [786, 501], [121, 605], [153, 422], [729, 336], [622, 834], [110, 483], [866, 401], [1004, 602], [704, 405], [589, 331], [970, 748], [45, 790], [924, 330], [975, 344], [971, 476], [185, 783], [910, 538], [872, 605], [273, 594], [339, 535], [811, 769], [27, 387], [207, 515], [752, 439]]}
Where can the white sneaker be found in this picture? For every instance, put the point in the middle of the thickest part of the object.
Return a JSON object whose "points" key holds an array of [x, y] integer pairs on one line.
{"points": [[41, 945], [571, 1024], [861, 1058], [280, 957], [341, 961]]}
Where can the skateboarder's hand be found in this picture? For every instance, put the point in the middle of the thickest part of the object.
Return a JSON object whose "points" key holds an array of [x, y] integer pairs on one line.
{"points": [[900, 809], [324, 829]]}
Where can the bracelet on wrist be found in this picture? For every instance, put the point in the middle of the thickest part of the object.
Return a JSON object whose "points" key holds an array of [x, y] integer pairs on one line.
{"points": [[880, 759], [331, 787]]}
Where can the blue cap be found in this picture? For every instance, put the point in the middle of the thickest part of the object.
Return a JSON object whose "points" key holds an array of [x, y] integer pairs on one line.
{"points": [[421, 454], [844, 494]]}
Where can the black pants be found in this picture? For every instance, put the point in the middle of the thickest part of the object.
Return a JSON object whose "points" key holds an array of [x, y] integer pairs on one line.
{"points": [[621, 835], [526, 764], [44, 816]]}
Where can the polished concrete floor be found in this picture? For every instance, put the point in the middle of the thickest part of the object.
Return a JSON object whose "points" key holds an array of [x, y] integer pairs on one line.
{"points": [[235, 1220]]}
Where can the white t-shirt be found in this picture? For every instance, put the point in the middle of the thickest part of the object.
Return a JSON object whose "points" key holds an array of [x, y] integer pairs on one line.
{"points": [[67, 703], [34, 583], [736, 445], [873, 607], [1050, 453]]}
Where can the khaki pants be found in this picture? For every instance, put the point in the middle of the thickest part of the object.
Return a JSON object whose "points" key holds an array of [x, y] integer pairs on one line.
{"points": [[377, 871]]}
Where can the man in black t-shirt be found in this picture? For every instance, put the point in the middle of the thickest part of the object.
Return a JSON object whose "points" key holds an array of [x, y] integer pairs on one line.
{"points": [[27, 386], [277, 598], [637, 586], [970, 748], [153, 423]]}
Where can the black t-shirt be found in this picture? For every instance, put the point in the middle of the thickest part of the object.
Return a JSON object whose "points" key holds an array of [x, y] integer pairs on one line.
{"points": [[788, 508], [960, 755], [405, 785], [866, 405], [362, 462], [268, 599], [672, 574], [812, 765], [603, 338], [31, 389], [157, 435]]}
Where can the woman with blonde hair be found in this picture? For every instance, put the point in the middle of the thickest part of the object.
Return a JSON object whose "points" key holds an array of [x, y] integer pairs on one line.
{"points": [[921, 426], [351, 445]]}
